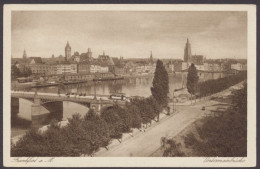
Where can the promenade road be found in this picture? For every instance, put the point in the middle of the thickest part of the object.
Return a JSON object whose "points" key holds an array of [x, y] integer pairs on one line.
{"points": [[146, 143]]}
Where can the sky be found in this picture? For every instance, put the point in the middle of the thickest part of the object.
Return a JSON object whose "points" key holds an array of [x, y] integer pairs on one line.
{"points": [[130, 34]]}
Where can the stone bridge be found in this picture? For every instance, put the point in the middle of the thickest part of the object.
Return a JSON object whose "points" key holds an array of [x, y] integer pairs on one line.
{"points": [[42, 103]]}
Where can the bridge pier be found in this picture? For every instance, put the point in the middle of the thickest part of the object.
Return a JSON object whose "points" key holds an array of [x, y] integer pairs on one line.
{"points": [[39, 114], [96, 106]]}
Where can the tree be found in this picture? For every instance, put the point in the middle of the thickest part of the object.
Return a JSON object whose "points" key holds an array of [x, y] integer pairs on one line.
{"points": [[114, 122], [192, 79], [15, 72], [97, 130], [27, 72], [160, 88]]}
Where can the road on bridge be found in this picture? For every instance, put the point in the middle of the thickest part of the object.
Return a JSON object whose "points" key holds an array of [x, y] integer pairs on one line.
{"points": [[145, 144]]}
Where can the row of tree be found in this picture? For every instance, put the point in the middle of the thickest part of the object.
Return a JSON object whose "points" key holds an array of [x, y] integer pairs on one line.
{"points": [[217, 85]]}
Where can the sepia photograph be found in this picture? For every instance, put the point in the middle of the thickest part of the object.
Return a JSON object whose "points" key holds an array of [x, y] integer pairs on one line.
{"points": [[160, 82]]}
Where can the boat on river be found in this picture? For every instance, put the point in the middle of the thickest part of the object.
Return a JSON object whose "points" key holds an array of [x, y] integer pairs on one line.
{"points": [[108, 78]]}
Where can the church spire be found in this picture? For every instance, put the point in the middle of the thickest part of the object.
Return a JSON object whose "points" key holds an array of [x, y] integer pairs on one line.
{"points": [[187, 51], [151, 56], [24, 54]]}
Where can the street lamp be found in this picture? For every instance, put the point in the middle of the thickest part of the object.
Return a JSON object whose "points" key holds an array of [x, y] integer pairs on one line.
{"points": [[173, 102], [95, 97]]}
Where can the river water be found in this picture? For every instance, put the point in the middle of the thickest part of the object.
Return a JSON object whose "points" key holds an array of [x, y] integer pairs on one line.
{"points": [[130, 86], [139, 86]]}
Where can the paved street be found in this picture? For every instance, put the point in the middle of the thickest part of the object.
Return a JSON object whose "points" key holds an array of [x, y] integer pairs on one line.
{"points": [[144, 144]]}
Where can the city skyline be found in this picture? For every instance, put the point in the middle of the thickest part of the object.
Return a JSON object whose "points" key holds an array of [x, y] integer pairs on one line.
{"points": [[130, 34]]}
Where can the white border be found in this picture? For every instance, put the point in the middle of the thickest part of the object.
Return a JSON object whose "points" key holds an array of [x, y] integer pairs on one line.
{"points": [[250, 161]]}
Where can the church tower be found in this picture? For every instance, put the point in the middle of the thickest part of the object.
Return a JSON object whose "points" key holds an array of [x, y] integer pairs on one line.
{"points": [[67, 51], [187, 52], [151, 57], [24, 54]]}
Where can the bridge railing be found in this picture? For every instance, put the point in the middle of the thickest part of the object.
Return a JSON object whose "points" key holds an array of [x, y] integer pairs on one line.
{"points": [[64, 97]]}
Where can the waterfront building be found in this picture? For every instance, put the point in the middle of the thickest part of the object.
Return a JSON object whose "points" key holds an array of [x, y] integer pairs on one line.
{"points": [[239, 66], [103, 69], [119, 70], [79, 76], [145, 68], [67, 51], [98, 68], [213, 67], [197, 59], [200, 67], [40, 69], [66, 68], [104, 75], [169, 67], [37, 66], [83, 67]]}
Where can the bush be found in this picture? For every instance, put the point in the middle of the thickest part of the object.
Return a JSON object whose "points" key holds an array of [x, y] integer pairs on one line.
{"points": [[224, 135]]}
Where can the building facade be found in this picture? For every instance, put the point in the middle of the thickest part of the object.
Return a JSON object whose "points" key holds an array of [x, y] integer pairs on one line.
{"points": [[66, 68], [79, 76]]}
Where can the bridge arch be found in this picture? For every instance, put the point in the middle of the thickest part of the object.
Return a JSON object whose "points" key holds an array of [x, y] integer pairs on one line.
{"points": [[70, 108]]}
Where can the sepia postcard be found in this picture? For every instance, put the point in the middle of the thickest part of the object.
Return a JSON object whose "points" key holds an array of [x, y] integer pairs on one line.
{"points": [[129, 85]]}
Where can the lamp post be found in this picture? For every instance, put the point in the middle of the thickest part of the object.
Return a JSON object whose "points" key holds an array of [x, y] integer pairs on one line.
{"points": [[173, 102], [95, 93]]}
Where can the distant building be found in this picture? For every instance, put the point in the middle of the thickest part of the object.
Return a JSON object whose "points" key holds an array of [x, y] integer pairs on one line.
{"points": [[239, 66], [169, 67], [35, 60], [212, 67], [97, 68], [103, 58], [67, 51], [187, 52], [89, 53], [66, 68], [197, 59], [24, 55], [83, 68], [42, 69], [86, 57], [104, 75], [79, 76], [151, 57]]}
